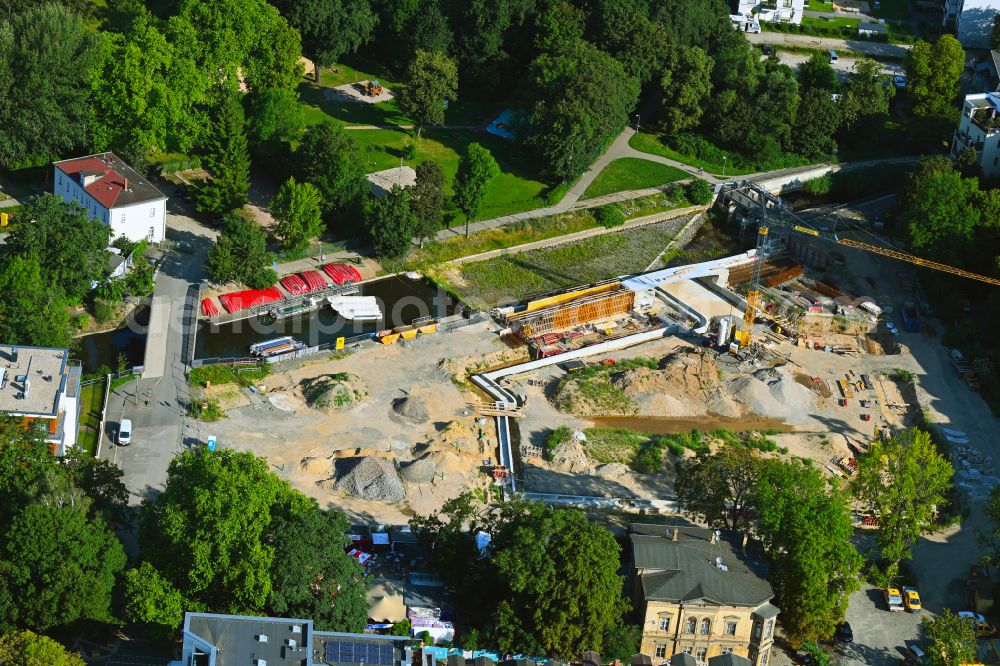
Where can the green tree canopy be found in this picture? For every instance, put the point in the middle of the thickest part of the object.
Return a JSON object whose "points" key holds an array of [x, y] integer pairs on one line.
{"points": [[152, 602], [427, 200], [330, 28], [68, 242], [32, 310], [57, 567], [951, 640], [685, 85], [562, 596], [932, 73], [240, 254], [24, 461], [331, 160], [577, 99], [48, 58], [943, 211], [817, 73], [816, 123], [624, 30], [391, 223], [719, 487], [227, 158], [866, 97], [275, 118], [902, 480], [297, 215], [475, 171], [26, 648], [432, 82]]}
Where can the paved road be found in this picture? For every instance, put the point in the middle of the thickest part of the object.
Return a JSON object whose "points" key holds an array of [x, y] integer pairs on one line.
{"points": [[843, 66], [874, 49]]}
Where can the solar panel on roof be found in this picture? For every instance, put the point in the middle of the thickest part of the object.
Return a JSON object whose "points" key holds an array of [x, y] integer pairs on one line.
{"points": [[351, 652]]}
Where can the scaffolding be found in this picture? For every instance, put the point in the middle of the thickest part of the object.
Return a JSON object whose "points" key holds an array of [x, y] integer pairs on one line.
{"points": [[612, 300]]}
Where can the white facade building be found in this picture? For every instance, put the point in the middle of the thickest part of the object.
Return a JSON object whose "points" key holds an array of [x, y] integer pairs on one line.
{"points": [[39, 386], [973, 20], [114, 193], [979, 128], [774, 11]]}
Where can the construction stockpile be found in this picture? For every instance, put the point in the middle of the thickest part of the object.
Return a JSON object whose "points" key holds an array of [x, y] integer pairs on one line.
{"points": [[369, 478]]}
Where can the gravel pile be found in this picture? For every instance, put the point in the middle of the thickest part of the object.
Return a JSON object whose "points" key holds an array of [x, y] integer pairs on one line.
{"points": [[773, 395], [369, 478], [419, 471], [411, 408]]}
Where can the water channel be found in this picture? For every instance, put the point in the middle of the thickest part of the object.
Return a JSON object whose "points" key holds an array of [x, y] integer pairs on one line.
{"points": [[107, 348]]}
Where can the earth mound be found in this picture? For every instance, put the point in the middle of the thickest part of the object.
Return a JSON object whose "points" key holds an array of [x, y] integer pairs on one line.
{"points": [[411, 408], [369, 478], [333, 393]]}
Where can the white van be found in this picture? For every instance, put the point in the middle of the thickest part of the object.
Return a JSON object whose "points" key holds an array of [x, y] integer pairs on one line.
{"points": [[125, 432]]}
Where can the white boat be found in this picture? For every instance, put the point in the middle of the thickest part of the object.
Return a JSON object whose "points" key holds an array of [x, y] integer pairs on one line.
{"points": [[356, 308], [953, 433], [275, 346]]}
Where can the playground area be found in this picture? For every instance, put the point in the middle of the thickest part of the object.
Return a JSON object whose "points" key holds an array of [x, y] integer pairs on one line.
{"points": [[363, 92]]}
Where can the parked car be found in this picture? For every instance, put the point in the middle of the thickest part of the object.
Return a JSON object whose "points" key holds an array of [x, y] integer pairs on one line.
{"points": [[911, 599], [125, 432], [899, 81], [893, 599], [833, 57], [844, 633], [767, 49], [983, 628]]}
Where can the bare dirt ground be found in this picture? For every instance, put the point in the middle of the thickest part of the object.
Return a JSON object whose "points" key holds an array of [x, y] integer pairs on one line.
{"points": [[309, 446]]}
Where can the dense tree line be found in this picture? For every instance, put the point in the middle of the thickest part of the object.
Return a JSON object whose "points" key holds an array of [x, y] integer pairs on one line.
{"points": [[559, 599]]}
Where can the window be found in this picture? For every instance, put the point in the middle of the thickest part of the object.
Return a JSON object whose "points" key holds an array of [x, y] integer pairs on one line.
{"points": [[700, 654], [727, 650], [756, 630], [730, 627], [768, 628], [687, 650], [763, 659], [706, 627], [661, 651], [122, 218], [664, 623], [690, 625], [152, 212], [152, 233]]}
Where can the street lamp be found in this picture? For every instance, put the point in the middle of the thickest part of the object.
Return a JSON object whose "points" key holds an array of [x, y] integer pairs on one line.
{"points": [[636, 123], [724, 158]]}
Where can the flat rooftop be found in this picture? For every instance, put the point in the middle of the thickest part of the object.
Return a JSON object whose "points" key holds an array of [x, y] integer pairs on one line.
{"points": [[31, 379], [241, 640]]}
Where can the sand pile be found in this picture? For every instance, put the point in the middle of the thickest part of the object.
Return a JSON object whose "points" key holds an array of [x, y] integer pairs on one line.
{"points": [[369, 478], [333, 393], [411, 408], [312, 465], [419, 471], [770, 393], [569, 456], [615, 471]]}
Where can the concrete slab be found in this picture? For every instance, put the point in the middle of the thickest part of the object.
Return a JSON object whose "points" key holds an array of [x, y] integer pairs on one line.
{"points": [[700, 299], [156, 340]]}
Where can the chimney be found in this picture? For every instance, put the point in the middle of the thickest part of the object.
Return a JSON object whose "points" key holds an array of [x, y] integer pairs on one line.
{"points": [[677, 534]]}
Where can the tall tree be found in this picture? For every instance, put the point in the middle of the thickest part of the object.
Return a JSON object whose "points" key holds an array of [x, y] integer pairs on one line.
{"points": [[816, 122], [475, 171], [427, 200], [560, 598], [719, 487], [330, 28], [391, 223], [685, 86], [65, 239], [58, 567], [152, 602], [932, 73], [432, 83], [275, 118], [625, 30], [26, 648], [902, 480], [806, 531], [577, 99], [47, 60], [866, 97], [227, 158], [817, 73], [944, 210], [24, 461], [32, 310], [311, 576], [129, 96], [101, 481], [331, 160], [561, 24], [296, 210], [240, 254], [951, 640]]}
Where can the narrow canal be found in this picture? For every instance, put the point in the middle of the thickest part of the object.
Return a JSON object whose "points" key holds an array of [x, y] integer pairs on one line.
{"points": [[106, 349], [401, 299]]}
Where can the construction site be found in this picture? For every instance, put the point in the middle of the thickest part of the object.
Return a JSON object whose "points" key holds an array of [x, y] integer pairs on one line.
{"points": [[804, 347]]}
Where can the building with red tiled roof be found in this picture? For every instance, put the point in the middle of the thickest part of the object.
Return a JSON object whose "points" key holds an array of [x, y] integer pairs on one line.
{"points": [[114, 193]]}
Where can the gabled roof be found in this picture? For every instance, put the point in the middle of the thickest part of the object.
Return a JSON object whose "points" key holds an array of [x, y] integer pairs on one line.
{"points": [[104, 176], [688, 569]]}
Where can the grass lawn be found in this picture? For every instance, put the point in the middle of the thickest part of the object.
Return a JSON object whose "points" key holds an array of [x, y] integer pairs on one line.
{"points": [[90, 416], [516, 189], [890, 9], [319, 106], [632, 173], [511, 278], [650, 143], [819, 6], [838, 22]]}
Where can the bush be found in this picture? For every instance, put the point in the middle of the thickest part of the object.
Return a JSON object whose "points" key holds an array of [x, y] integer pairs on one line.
{"points": [[698, 192], [103, 311], [649, 458], [409, 151], [227, 374], [818, 186], [610, 216], [903, 376], [401, 628], [205, 410], [554, 438]]}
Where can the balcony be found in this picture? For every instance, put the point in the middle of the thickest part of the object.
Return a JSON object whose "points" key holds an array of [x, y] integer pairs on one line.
{"points": [[986, 121]]}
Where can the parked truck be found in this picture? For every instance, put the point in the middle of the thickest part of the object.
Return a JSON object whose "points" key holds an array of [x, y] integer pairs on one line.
{"points": [[911, 318]]}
